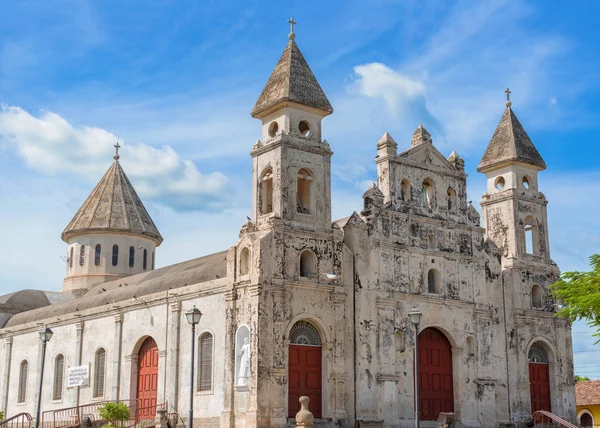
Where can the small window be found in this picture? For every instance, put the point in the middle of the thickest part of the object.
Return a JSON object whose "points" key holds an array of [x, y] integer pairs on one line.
{"points": [[405, 190], [145, 259], [526, 182], [427, 193], [500, 183], [451, 199], [434, 281], [82, 255], [71, 258], [531, 235], [205, 362], [59, 368], [152, 260], [304, 128], [115, 255], [97, 255], [303, 191], [22, 393], [308, 264], [273, 128], [266, 189], [99, 370], [131, 256], [537, 296], [244, 261]]}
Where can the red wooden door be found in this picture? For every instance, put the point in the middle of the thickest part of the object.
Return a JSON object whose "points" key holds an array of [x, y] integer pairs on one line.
{"points": [[147, 386], [436, 392], [539, 387], [304, 378]]}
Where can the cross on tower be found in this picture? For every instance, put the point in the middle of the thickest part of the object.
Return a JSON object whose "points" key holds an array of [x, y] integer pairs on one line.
{"points": [[117, 147], [292, 23], [508, 94]]}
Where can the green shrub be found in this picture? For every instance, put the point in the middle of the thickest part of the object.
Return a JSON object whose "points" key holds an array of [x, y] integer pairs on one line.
{"points": [[114, 412], [1, 415]]}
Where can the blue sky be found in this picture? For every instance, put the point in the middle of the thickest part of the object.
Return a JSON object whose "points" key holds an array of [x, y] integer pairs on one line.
{"points": [[176, 81]]}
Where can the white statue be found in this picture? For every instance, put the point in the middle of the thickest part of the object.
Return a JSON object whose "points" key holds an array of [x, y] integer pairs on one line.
{"points": [[244, 371]]}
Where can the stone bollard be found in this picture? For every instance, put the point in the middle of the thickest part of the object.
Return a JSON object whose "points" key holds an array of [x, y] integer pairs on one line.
{"points": [[304, 418], [445, 420], [161, 418]]}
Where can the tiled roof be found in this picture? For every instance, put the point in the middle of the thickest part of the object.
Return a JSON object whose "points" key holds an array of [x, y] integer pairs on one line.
{"points": [[509, 143], [588, 393], [292, 80], [113, 206]]}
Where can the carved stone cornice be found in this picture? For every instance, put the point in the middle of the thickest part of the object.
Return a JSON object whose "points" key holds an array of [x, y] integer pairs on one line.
{"points": [[278, 372], [230, 295], [254, 290], [383, 303], [382, 377], [176, 306]]}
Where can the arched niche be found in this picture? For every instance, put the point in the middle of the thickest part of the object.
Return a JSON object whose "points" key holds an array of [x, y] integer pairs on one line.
{"points": [[242, 357]]}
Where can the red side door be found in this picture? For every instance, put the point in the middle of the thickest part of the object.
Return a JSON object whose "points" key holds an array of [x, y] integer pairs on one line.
{"points": [[436, 392], [304, 370], [147, 379], [539, 386]]}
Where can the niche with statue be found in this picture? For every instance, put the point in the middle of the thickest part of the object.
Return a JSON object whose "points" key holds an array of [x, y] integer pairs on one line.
{"points": [[242, 358]]}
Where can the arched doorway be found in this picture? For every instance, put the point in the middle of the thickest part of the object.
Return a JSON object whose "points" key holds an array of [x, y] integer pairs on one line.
{"points": [[586, 420], [539, 378], [304, 368], [147, 384], [436, 393]]}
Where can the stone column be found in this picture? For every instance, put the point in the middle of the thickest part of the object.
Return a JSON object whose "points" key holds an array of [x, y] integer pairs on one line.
{"points": [[78, 353], [228, 414], [173, 357], [7, 360], [116, 386]]}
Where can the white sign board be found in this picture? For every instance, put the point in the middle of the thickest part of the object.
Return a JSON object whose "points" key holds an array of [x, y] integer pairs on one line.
{"points": [[78, 376]]}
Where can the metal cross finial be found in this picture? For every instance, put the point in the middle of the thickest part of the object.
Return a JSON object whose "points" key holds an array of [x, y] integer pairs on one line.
{"points": [[508, 103], [292, 23], [117, 147]]}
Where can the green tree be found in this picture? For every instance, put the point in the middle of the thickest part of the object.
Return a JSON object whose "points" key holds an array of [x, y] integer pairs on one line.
{"points": [[114, 413], [579, 292], [581, 378]]}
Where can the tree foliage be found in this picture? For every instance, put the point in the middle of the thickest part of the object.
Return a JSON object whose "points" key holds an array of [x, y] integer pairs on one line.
{"points": [[581, 378], [114, 412], [579, 292]]}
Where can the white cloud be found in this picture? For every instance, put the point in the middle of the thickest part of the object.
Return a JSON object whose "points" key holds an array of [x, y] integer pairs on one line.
{"points": [[51, 145]]}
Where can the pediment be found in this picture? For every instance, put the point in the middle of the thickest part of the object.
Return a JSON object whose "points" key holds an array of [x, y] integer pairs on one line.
{"points": [[427, 154]]}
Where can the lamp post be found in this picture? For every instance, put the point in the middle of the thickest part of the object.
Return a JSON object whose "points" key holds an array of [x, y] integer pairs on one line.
{"points": [[45, 336], [193, 317], [415, 318]]}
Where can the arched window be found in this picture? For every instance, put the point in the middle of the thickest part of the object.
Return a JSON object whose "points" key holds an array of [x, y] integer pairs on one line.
{"points": [[82, 255], [308, 264], [405, 190], [244, 261], [586, 420], [303, 200], [273, 128], [304, 333], [537, 296], [99, 370], [145, 259], [499, 183], [266, 191], [537, 354], [97, 254], [115, 255], [427, 193], [152, 260], [431, 241], [205, 362], [131, 256], [451, 199], [71, 259], [531, 235], [304, 128], [59, 369], [434, 281], [22, 395]]}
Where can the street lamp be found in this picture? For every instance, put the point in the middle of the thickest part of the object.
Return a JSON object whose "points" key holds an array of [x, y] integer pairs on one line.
{"points": [[415, 318], [45, 336], [193, 317]]}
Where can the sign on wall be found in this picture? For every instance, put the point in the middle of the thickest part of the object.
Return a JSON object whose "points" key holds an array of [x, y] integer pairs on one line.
{"points": [[78, 376]]}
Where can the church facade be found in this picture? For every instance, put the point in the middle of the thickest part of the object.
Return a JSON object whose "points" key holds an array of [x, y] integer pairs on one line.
{"points": [[302, 305]]}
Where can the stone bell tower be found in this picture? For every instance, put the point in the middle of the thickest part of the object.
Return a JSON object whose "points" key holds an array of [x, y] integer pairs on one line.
{"points": [[291, 167]]}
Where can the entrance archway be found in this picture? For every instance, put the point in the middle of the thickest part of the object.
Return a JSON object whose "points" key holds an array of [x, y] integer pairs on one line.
{"points": [[436, 393], [586, 420], [304, 368], [147, 385], [539, 378]]}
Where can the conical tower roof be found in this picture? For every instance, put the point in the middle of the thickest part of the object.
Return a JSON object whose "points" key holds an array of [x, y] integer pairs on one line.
{"points": [[510, 143], [113, 206], [292, 80]]}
